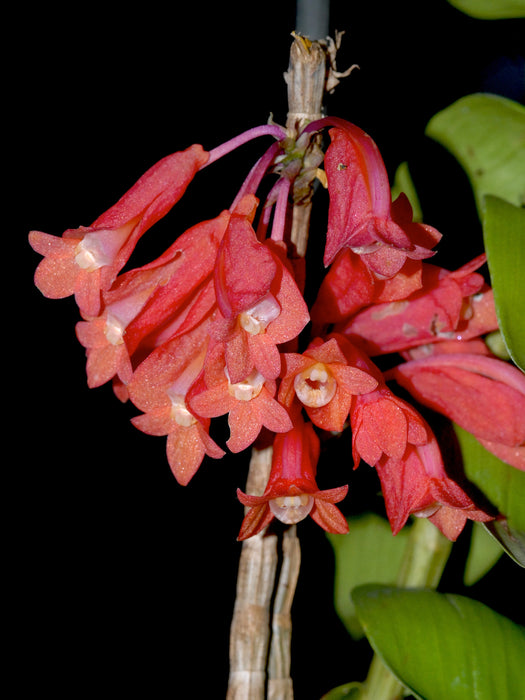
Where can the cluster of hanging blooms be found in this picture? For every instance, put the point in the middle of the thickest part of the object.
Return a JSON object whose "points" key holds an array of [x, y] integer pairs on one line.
{"points": [[218, 325]]}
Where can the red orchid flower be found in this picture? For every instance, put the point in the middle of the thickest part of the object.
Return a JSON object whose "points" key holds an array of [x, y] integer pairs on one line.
{"points": [[384, 424], [86, 260], [349, 286], [450, 305], [249, 403], [418, 484], [148, 299], [483, 395], [324, 382], [381, 422], [292, 493], [260, 305], [159, 387], [361, 215]]}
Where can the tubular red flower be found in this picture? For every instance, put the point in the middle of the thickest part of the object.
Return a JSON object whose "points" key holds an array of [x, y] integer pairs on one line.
{"points": [[384, 424], [449, 305], [249, 403], [349, 286], [484, 395], [86, 261], [159, 387], [244, 268], [417, 484], [260, 305], [193, 254], [292, 492], [148, 299], [360, 215], [324, 381]]}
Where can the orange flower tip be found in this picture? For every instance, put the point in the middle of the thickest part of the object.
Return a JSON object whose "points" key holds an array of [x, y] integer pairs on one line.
{"points": [[315, 386], [292, 509]]}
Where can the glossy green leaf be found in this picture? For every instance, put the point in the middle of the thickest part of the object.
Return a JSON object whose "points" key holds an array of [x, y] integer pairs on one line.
{"points": [[444, 645], [504, 238], [486, 134], [403, 183], [503, 485], [510, 539], [484, 552], [369, 553], [491, 9]]}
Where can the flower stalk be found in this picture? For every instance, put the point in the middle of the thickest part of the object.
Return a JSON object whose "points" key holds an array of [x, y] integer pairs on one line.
{"points": [[250, 630]]}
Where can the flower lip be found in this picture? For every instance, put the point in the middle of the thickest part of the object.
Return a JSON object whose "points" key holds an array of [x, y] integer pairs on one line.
{"points": [[114, 330], [315, 386], [292, 509], [99, 247], [256, 319], [179, 411], [248, 388], [89, 254]]}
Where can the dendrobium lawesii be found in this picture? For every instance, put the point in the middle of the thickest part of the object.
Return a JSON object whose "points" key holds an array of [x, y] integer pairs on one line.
{"points": [[143, 301], [361, 215], [87, 260], [219, 325], [259, 304], [159, 387], [418, 484], [292, 492], [448, 305], [457, 384], [324, 382]]}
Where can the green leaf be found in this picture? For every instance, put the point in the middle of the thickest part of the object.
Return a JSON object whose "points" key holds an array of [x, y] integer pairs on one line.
{"points": [[486, 134], [403, 183], [491, 9], [511, 540], [503, 485], [483, 553], [348, 691], [444, 645], [504, 238], [369, 553]]}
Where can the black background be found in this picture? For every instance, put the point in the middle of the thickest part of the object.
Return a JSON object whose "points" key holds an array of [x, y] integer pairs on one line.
{"points": [[121, 579]]}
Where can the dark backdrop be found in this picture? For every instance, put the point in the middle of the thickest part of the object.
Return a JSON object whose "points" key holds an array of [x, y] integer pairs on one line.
{"points": [[122, 579]]}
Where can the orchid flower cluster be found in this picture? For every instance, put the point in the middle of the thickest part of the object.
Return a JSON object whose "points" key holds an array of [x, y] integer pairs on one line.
{"points": [[218, 325]]}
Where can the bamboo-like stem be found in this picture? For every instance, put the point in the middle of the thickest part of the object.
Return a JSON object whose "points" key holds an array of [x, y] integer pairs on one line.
{"points": [[306, 84], [280, 685], [306, 80], [250, 628], [426, 554]]}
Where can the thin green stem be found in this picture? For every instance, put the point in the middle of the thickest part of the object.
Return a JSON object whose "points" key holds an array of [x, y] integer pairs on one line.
{"points": [[426, 554]]}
